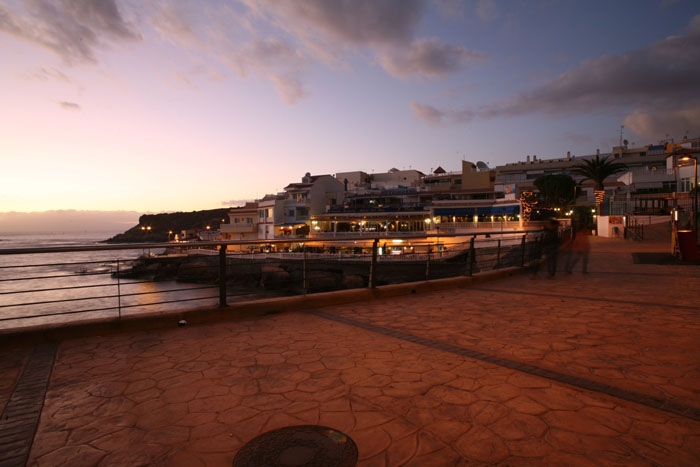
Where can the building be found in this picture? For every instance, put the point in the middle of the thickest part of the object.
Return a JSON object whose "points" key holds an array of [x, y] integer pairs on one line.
{"points": [[362, 182], [647, 165], [474, 177], [270, 214], [242, 225], [315, 195]]}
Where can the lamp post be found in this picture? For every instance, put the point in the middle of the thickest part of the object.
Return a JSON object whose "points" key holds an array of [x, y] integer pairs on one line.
{"points": [[695, 196], [436, 220]]}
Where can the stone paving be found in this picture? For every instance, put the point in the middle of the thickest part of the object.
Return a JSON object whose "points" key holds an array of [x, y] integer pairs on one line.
{"points": [[379, 372]]}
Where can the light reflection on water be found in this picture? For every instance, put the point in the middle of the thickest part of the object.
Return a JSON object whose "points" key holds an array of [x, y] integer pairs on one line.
{"points": [[91, 271]]}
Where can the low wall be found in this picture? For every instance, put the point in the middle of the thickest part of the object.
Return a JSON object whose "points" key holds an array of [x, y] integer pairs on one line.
{"points": [[241, 310]]}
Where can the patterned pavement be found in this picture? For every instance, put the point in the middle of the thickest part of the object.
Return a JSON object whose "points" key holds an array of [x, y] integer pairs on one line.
{"points": [[593, 369]]}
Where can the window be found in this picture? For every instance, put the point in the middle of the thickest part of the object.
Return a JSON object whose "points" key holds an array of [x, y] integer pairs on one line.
{"points": [[249, 220], [235, 220], [291, 213], [686, 185], [261, 214]]}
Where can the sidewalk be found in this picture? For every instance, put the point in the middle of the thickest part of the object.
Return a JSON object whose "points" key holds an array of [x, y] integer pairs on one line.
{"points": [[589, 369]]}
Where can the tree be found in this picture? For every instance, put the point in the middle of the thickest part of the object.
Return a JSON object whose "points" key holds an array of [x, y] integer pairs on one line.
{"points": [[597, 170], [556, 189]]}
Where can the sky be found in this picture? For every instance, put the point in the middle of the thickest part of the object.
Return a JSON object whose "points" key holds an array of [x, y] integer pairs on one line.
{"points": [[154, 106]]}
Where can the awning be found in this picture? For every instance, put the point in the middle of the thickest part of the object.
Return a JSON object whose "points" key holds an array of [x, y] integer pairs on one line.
{"points": [[290, 224]]}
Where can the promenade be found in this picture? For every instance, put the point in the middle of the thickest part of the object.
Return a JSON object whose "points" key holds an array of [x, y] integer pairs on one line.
{"points": [[583, 369]]}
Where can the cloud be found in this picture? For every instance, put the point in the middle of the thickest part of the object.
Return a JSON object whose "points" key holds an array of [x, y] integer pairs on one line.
{"points": [[173, 22], [652, 125], [68, 221], [275, 39], [360, 22], [487, 11], [428, 57], [289, 87], [72, 29], [236, 202], [49, 74], [662, 76], [666, 74], [434, 116], [267, 55], [69, 105], [450, 9], [427, 113]]}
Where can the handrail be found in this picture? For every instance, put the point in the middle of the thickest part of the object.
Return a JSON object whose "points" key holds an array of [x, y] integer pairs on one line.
{"points": [[35, 298], [308, 240]]}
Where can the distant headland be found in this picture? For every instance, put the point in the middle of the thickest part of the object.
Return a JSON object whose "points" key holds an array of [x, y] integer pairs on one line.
{"points": [[163, 227]]}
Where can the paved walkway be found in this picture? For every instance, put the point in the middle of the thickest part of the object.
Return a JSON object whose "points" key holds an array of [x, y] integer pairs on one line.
{"points": [[593, 369]]}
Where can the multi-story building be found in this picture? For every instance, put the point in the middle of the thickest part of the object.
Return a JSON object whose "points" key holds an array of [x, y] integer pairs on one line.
{"points": [[367, 214], [315, 195], [362, 182], [270, 216], [646, 163], [242, 224]]}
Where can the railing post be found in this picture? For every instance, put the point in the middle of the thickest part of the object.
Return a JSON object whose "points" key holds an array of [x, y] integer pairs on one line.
{"points": [[222, 275], [427, 264], [119, 292], [373, 265], [472, 255], [304, 272], [522, 251], [498, 255]]}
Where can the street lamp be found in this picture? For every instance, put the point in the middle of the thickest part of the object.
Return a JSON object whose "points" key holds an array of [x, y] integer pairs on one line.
{"points": [[695, 197], [436, 221]]}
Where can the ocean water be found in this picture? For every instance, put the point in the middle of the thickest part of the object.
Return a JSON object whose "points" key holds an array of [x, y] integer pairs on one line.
{"points": [[59, 287]]}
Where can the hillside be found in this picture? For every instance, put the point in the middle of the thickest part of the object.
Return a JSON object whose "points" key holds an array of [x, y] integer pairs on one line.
{"points": [[161, 224]]}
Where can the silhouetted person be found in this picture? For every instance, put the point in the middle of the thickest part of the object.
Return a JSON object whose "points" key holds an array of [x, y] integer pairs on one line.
{"points": [[580, 248], [550, 247]]}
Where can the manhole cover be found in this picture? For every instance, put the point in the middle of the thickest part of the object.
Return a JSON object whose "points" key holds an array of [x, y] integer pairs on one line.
{"points": [[308, 445]]}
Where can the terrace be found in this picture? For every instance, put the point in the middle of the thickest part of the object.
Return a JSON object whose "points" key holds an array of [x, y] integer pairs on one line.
{"points": [[593, 369]]}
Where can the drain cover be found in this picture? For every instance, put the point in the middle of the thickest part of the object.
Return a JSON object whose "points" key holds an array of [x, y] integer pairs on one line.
{"points": [[296, 446]]}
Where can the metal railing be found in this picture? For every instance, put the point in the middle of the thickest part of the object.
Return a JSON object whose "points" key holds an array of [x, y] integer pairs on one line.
{"points": [[209, 273]]}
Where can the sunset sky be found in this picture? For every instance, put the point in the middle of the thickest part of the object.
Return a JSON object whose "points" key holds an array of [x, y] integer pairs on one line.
{"points": [[154, 106]]}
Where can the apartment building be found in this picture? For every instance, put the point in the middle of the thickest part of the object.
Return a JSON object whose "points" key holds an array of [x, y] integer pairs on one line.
{"points": [[242, 224], [315, 195], [362, 182]]}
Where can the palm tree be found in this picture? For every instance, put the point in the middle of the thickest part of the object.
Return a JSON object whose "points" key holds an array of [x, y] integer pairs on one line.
{"points": [[597, 170]]}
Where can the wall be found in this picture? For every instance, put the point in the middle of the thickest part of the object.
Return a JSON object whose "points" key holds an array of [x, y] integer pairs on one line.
{"points": [[606, 228], [471, 179]]}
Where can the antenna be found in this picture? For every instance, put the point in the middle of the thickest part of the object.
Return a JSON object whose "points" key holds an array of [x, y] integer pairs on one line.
{"points": [[622, 127]]}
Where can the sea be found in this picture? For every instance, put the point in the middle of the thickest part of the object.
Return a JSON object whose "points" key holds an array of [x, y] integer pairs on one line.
{"points": [[70, 286]]}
